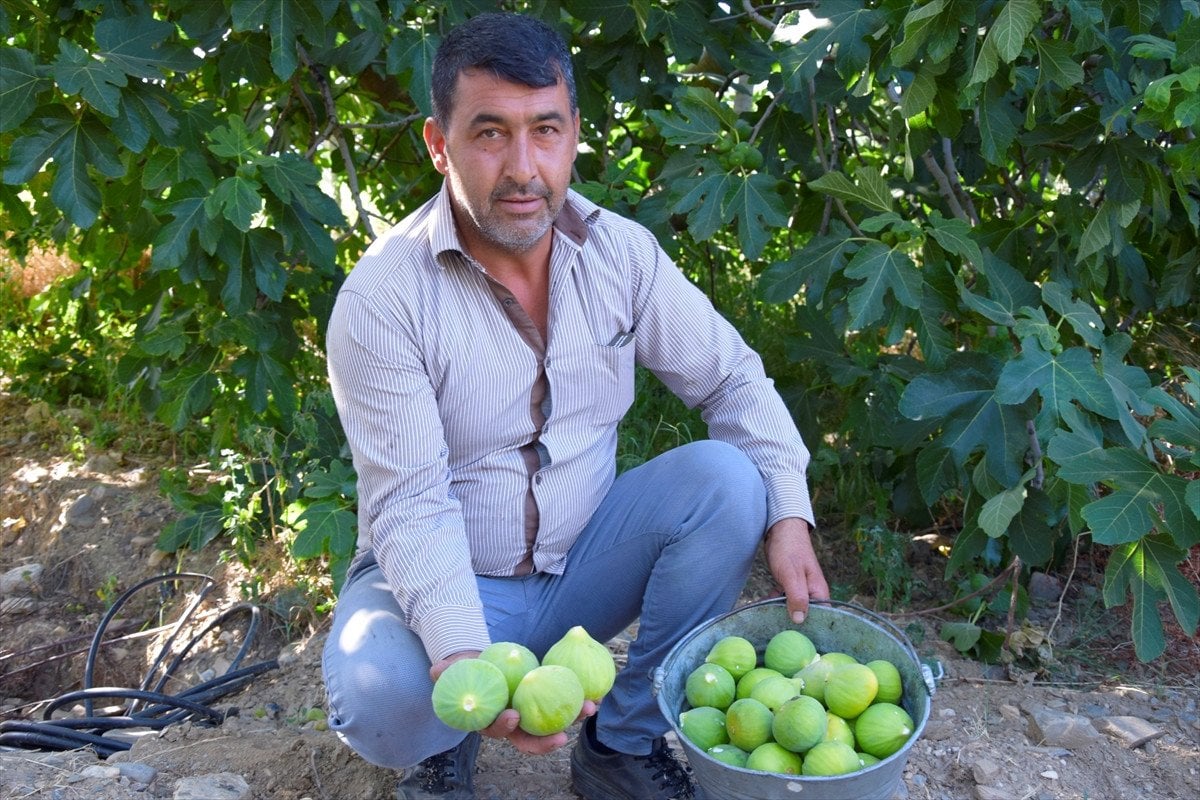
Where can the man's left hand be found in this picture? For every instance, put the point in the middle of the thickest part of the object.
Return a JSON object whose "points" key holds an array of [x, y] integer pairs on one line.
{"points": [[794, 565]]}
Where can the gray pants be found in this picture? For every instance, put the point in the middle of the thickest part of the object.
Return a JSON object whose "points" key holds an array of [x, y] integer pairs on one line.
{"points": [[671, 544]]}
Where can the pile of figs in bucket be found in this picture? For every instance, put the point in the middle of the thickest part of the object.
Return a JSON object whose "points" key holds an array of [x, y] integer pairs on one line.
{"points": [[832, 627]]}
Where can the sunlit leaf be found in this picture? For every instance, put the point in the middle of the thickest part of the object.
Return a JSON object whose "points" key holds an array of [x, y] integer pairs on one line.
{"points": [[97, 82], [869, 188], [998, 512], [759, 209], [1079, 315], [842, 33], [917, 25], [1061, 379], [698, 118], [324, 526]]}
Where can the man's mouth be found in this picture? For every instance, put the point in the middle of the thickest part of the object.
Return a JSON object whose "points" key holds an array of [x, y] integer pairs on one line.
{"points": [[522, 204]]}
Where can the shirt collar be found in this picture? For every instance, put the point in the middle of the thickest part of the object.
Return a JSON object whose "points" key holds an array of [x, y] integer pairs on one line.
{"points": [[573, 222]]}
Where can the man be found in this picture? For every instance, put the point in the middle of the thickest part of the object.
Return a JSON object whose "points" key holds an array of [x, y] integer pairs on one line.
{"points": [[481, 355]]}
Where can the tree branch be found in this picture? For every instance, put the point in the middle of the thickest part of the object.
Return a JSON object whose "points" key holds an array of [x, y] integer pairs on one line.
{"points": [[762, 119], [944, 187], [1012, 569], [396, 123], [828, 162], [1015, 569], [336, 131], [955, 184], [756, 17], [833, 167], [1035, 448], [1066, 586], [816, 124]]}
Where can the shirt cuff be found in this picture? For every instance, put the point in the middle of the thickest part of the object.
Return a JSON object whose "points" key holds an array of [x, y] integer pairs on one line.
{"points": [[452, 629], [787, 496]]}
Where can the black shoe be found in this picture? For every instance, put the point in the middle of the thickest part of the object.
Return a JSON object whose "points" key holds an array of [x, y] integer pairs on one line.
{"points": [[599, 773], [450, 774]]}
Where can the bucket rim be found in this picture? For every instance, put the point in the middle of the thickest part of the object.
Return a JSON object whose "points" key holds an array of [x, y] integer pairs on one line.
{"points": [[658, 674]]}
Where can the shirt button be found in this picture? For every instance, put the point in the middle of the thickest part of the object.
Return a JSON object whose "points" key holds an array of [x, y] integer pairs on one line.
{"points": [[537, 479]]}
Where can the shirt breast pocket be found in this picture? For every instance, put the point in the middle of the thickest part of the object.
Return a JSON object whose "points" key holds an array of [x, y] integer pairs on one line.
{"points": [[613, 392]]}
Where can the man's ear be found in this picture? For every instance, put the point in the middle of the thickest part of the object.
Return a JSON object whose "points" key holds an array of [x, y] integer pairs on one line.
{"points": [[435, 141]]}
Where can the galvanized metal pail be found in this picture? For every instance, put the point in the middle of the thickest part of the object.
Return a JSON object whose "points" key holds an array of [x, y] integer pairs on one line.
{"points": [[831, 626]]}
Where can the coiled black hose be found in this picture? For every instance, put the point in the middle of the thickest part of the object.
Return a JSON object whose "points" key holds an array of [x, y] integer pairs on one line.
{"points": [[147, 708]]}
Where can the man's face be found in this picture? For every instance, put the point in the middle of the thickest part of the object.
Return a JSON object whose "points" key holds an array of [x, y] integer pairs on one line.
{"points": [[507, 152]]}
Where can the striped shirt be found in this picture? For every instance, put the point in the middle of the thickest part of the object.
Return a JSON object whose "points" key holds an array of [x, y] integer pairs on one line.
{"points": [[444, 399]]}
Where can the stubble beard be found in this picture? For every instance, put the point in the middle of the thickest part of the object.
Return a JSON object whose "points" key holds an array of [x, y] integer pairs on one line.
{"points": [[515, 235]]}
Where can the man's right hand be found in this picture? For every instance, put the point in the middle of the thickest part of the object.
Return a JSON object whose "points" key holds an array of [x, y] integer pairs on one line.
{"points": [[506, 726]]}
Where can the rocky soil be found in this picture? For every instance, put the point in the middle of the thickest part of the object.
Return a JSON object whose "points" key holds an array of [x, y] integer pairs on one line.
{"points": [[77, 529]]}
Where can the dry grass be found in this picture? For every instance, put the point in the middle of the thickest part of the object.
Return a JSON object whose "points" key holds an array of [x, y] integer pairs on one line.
{"points": [[40, 269]]}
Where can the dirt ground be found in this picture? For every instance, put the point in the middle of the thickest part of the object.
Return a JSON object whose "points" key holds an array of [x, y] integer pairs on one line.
{"points": [[82, 526]]}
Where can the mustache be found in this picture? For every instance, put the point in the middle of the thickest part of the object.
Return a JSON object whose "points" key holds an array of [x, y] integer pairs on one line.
{"points": [[509, 189]]}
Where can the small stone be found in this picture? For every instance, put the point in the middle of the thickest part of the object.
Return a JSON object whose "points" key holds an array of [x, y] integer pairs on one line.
{"points": [[985, 771], [1044, 587], [12, 606], [138, 773], [945, 713], [939, 730], [1049, 775], [81, 511], [1061, 729], [217, 786], [288, 655], [102, 463], [992, 793], [1133, 732], [101, 771], [24, 579], [38, 413], [1010, 713]]}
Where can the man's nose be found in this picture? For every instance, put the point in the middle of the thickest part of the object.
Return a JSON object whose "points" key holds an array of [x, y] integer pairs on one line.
{"points": [[520, 164]]}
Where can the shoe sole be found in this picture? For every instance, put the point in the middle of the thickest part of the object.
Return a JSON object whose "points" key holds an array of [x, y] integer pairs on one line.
{"points": [[589, 788]]}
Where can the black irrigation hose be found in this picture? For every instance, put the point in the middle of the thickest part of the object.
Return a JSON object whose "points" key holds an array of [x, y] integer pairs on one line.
{"points": [[160, 709]]}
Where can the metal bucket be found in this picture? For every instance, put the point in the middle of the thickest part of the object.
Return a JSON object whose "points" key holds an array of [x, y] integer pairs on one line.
{"points": [[830, 626]]}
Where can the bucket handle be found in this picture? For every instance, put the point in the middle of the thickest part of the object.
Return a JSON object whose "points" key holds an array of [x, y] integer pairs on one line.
{"points": [[927, 675]]}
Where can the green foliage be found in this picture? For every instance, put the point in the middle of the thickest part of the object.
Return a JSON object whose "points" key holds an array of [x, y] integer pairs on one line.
{"points": [[970, 228], [881, 553]]}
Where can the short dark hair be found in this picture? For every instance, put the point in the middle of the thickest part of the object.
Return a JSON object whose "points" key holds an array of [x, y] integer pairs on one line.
{"points": [[514, 47]]}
